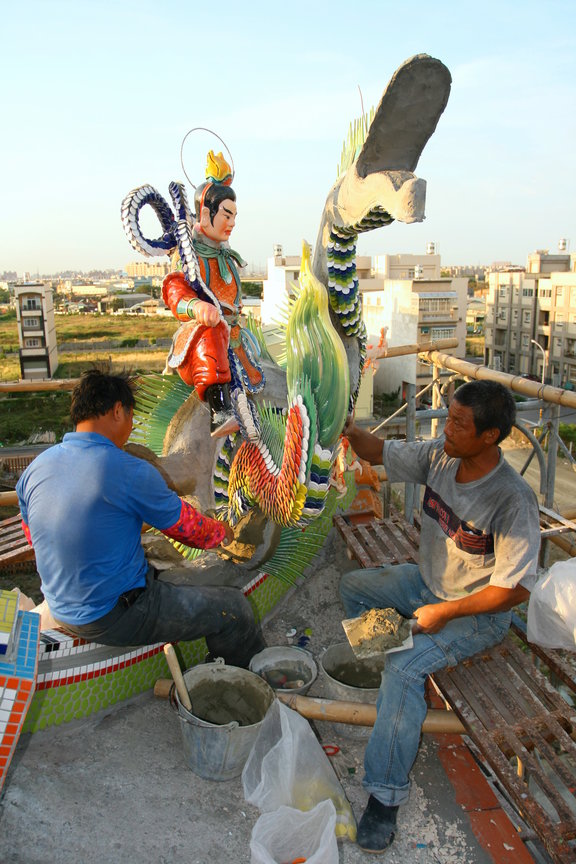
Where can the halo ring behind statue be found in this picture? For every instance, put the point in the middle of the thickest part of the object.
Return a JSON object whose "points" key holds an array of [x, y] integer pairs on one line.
{"points": [[211, 131]]}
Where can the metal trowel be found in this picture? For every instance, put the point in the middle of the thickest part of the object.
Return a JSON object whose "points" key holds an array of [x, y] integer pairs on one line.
{"points": [[377, 632]]}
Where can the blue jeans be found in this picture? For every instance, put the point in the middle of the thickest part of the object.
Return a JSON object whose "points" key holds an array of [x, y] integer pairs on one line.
{"points": [[166, 612], [401, 704]]}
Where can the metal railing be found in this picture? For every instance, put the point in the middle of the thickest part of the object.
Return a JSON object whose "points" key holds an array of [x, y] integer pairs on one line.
{"points": [[543, 437]]}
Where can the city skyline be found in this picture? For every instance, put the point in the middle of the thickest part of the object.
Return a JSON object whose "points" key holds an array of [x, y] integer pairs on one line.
{"points": [[98, 97]]}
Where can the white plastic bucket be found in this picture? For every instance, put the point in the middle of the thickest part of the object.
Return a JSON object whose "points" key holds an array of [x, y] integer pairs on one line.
{"points": [[228, 706]]}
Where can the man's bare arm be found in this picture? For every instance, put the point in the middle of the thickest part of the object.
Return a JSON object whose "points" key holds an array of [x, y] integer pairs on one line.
{"points": [[365, 444], [434, 616]]}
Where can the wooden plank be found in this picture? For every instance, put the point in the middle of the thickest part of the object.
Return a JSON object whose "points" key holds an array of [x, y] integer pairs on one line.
{"points": [[552, 524], [551, 658], [14, 556], [14, 546], [397, 529], [536, 682], [555, 834], [352, 543], [504, 716], [368, 541], [391, 553]]}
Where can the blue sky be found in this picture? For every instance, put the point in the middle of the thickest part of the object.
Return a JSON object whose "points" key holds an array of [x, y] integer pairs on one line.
{"points": [[97, 95]]}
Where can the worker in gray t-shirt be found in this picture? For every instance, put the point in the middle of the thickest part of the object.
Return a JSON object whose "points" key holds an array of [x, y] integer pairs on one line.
{"points": [[479, 546]]}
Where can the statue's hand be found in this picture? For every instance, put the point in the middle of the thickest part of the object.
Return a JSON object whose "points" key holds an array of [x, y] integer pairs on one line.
{"points": [[206, 314]]}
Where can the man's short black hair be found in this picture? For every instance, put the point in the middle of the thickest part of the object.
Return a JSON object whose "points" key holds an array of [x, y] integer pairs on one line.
{"points": [[492, 404], [98, 391]]}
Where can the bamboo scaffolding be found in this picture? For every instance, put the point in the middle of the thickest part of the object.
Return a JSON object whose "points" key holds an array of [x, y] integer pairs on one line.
{"points": [[437, 721], [416, 348], [520, 385], [37, 386], [363, 714], [8, 499]]}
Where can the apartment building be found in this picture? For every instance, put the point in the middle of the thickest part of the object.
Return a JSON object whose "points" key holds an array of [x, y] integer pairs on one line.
{"points": [[530, 324], [422, 306], [36, 330], [404, 293]]}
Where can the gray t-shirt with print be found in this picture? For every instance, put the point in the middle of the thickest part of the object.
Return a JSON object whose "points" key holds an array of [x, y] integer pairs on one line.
{"points": [[486, 532]]}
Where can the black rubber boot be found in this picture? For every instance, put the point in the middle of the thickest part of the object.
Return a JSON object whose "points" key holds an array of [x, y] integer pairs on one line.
{"points": [[377, 826]]}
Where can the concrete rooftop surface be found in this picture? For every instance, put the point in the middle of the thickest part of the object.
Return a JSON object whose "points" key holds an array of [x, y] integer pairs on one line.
{"points": [[115, 787]]}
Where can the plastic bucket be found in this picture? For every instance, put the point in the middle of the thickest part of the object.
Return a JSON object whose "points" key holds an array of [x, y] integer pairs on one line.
{"points": [[228, 706], [283, 666], [351, 680]]}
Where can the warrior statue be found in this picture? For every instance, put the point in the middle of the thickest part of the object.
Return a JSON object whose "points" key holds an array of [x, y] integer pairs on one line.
{"points": [[282, 461], [210, 341]]}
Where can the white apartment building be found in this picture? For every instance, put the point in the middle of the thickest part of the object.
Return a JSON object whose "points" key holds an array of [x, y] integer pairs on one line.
{"points": [[404, 293], [282, 274], [36, 330], [414, 310], [531, 319], [409, 266]]}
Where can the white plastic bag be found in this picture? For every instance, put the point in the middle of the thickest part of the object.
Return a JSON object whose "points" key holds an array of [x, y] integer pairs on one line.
{"points": [[288, 834], [552, 607], [287, 766]]}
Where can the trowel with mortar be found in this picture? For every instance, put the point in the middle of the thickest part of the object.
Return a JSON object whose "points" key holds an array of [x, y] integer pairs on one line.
{"points": [[379, 631]]}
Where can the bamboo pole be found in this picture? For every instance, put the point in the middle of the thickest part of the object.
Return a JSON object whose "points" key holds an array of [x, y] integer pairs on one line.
{"points": [[416, 348], [520, 385], [337, 711], [362, 714], [37, 386], [8, 499]]}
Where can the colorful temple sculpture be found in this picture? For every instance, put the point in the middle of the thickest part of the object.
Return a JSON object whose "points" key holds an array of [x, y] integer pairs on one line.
{"points": [[254, 441]]}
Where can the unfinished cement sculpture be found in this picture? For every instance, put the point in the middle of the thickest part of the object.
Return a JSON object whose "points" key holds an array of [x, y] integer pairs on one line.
{"points": [[279, 465]]}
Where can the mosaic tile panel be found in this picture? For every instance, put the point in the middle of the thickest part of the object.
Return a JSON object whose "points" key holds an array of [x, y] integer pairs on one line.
{"points": [[8, 618], [84, 687], [18, 670]]}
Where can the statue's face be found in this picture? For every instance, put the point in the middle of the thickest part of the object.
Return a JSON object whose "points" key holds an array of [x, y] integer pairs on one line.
{"points": [[223, 224]]}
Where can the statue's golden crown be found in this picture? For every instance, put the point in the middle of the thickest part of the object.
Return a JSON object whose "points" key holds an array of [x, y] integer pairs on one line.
{"points": [[217, 169]]}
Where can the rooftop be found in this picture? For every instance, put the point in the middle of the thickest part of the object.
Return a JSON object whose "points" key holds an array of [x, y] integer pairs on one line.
{"points": [[116, 787]]}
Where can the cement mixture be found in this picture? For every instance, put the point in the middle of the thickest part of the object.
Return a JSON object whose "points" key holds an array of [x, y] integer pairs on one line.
{"points": [[376, 631]]}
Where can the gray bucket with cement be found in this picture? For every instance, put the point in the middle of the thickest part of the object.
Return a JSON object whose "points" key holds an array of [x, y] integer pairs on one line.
{"points": [[349, 679], [228, 706]]}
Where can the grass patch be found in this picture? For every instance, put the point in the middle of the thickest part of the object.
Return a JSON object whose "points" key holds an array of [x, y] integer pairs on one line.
{"points": [[92, 328], [89, 328], [24, 414], [138, 362]]}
